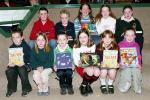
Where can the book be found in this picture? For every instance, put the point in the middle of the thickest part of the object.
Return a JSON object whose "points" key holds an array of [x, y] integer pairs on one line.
{"points": [[89, 59], [16, 56], [110, 59], [64, 60], [129, 57]]}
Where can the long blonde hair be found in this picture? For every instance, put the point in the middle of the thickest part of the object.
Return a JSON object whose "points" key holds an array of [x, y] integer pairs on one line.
{"points": [[46, 47]]}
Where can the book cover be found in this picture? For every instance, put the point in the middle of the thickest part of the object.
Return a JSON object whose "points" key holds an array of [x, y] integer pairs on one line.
{"points": [[129, 57], [110, 58], [16, 56], [64, 60], [89, 59]]}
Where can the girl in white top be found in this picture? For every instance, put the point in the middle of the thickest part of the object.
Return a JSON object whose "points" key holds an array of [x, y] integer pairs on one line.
{"points": [[105, 20], [91, 73]]}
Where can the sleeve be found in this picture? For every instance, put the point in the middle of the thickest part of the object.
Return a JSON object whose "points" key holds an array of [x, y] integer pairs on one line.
{"points": [[57, 29], [112, 26], [52, 34], [33, 60], [138, 54], [50, 61], [73, 31], [76, 56], [77, 26], [93, 48], [118, 31], [34, 31], [27, 51]]}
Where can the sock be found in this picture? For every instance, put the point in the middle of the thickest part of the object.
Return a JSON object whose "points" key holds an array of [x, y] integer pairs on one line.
{"points": [[103, 81], [110, 82]]}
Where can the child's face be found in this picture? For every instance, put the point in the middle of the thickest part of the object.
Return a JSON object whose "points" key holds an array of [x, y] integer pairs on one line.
{"points": [[16, 38], [62, 40], [130, 36], [40, 42], [43, 15], [127, 13], [85, 10], [64, 18], [83, 39], [107, 40], [105, 12]]}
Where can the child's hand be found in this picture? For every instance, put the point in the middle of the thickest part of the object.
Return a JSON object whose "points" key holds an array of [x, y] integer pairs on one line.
{"points": [[139, 67], [73, 67], [55, 69], [79, 64], [40, 69], [11, 65]]}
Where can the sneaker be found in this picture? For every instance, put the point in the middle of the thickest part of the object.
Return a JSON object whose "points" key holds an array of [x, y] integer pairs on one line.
{"points": [[70, 91], [89, 89], [104, 89], [24, 94], [83, 90], [39, 93], [110, 89], [45, 93], [63, 91]]}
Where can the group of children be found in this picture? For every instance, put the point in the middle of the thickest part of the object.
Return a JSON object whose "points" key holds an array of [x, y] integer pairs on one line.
{"points": [[86, 35]]}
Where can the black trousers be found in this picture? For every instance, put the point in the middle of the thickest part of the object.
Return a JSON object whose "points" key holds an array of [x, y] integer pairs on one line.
{"points": [[12, 74], [65, 77]]}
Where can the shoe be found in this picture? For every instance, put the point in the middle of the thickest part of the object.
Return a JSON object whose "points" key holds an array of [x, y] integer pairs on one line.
{"points": [[45, 93], [24, 94], [63, 91], [89, 89], [104, 89], [9, 93], [70, 91], [110, 89], [40, 93], [83, 90]]}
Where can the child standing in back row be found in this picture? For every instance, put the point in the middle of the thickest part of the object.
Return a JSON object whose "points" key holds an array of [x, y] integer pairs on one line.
{"points": [[63, 64], [130, 63]]}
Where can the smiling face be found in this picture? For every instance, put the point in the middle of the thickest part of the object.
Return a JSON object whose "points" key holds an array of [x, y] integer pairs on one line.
{"points": [[62, 40], [83, 38], [127, 13], [64, 18], [105, 12], [107, 40], [85, 10], [16, 38], [130, 36], [40, 41], [43, 15]]}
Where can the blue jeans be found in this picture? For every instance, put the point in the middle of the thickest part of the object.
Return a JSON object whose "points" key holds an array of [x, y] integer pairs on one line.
{"points": [[52, 43]]}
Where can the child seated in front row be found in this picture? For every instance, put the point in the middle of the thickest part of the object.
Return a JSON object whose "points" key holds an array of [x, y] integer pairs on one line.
{"points": [[64, 64], [42, 57], [14, 69], [107, 43], [130, 63]]}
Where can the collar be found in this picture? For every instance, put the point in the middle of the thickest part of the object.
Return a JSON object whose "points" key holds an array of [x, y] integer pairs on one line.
{"points": [[62, 50], [123, 18]]}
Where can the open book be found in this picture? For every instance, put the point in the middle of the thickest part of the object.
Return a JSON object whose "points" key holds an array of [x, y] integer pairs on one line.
{"points": [[89, 59], [129, 57], [16, 56], [110, 59]]}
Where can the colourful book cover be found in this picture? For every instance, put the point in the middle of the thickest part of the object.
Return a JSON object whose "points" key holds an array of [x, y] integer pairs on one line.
{"points": [[16, 56], [110, 59], [129, 57], [64, 60], [89, 59]]}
